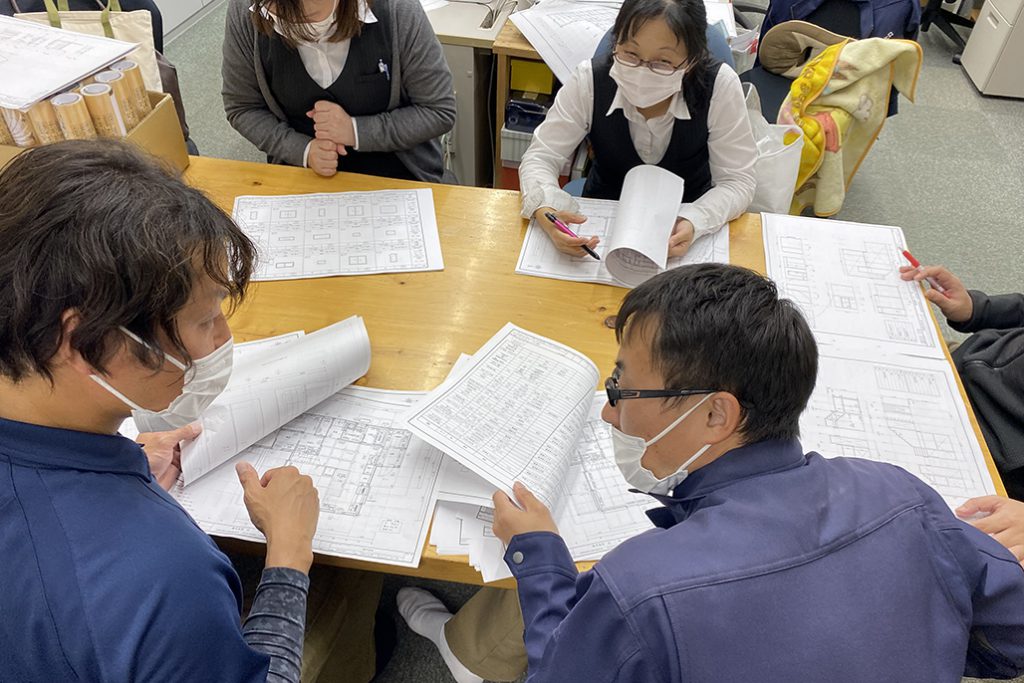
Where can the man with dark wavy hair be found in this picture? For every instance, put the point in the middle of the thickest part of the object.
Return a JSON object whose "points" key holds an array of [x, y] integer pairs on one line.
{"points": [[112, 278]]}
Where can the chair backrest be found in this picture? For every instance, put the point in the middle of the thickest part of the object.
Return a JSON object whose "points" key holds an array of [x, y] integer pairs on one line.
{"points": [[838, 16], [718, 44]]}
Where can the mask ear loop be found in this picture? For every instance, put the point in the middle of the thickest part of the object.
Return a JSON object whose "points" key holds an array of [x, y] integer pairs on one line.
{"points": [[170, 359], [675, 423], [124, 399]]}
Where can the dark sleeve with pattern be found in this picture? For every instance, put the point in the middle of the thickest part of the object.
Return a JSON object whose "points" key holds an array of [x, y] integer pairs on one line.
{"points": [[276, 623]]}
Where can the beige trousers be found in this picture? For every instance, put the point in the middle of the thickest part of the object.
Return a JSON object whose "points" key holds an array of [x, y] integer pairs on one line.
{"points": [[340, 612], [487, 635]]}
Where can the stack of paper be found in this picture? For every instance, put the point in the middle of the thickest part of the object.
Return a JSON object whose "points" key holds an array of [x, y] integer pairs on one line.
{"points": [[523, 408], [547, 24], [885, 390], [462, 529]]}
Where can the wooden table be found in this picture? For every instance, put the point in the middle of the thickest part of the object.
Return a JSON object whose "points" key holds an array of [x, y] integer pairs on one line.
{"points": [[419, 323], [509, 44]]}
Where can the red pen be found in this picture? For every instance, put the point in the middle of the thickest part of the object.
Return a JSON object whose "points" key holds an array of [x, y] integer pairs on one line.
{"points": [[565, 228], [917, 264]]}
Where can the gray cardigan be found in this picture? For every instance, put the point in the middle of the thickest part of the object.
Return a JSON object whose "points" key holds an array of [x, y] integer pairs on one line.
{"points": [[422, 106]]}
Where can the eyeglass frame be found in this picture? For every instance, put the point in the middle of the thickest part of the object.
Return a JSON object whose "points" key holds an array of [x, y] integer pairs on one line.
{"points": [[616, 394], [648, 63]]}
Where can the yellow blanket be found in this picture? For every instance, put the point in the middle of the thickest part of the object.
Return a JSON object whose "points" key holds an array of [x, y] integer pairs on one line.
{"points": [[840, 100]]}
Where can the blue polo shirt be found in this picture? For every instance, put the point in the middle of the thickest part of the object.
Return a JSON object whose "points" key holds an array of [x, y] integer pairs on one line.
{"points": [[103, 576], [770, 564]]}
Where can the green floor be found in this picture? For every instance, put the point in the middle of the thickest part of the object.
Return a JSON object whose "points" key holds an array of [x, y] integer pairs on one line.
{"points": [[949, 170]]}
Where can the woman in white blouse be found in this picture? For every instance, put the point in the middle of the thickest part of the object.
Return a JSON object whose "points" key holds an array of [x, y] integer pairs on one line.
{"points": [[660, 99]]}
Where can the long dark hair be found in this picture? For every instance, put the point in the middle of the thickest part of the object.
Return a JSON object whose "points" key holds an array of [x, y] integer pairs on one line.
{"points": [[293, 20], [688, 21]]}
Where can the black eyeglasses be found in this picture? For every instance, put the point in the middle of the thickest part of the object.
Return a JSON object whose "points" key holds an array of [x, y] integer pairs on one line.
{"points": [[661, 68], [615, 394]]}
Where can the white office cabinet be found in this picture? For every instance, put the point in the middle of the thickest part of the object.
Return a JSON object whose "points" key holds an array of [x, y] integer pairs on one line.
{"points": [[179, 13], [994, 56], [471, 138]]}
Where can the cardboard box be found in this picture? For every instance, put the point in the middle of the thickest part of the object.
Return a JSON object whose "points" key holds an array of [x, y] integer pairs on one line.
{"points": [[159, 134]]}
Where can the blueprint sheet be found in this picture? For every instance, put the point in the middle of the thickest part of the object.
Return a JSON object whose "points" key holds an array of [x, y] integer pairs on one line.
{"points": [[270, 387], [595, 511], [885, 390], [243, 352], [546, 25], [539, 256], [845, 279], [377, 482], [514, 414], [342, 233], [38, 61], [598, 511], [903, 410]]}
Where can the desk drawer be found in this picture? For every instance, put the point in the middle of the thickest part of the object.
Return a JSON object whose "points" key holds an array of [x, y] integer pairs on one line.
{"points": [[985, 45], [1009, 9]]}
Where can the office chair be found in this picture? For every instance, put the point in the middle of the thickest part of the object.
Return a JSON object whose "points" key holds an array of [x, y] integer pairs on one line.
{"points": [[843, 17], [838, 16]]}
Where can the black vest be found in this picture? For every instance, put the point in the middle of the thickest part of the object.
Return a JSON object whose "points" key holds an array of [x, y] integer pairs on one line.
{"points": [[615, 155], [362, 89]]}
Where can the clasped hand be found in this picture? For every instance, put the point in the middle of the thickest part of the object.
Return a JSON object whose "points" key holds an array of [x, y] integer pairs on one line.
{"points": [[335, 133]]}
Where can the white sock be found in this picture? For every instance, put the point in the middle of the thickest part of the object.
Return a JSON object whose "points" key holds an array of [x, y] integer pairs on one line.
{"points": [[426, 615]]}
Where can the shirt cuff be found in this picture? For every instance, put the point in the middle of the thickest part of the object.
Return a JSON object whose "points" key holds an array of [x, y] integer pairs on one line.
{"points": [[305, 155], [555, 197], [355, 134], [285, 576], [539, 552], [696, 215]]}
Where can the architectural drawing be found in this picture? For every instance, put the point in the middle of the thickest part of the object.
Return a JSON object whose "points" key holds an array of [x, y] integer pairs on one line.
{"points": [[376, 481], [39, 60], [514, 414], [906, 411], [845, 279], [599, 511], [346, 233]]}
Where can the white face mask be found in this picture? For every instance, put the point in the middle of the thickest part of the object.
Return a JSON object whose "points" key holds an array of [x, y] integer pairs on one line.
{"points": [[204, 382], [642, 87], [629, 453]]}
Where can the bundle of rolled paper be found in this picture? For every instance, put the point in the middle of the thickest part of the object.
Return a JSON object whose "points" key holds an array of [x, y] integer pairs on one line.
{"points": [[110, 104]]}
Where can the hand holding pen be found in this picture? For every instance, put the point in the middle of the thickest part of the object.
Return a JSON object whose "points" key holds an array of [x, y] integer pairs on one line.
{"points": [[946, 291], [563, 237]]}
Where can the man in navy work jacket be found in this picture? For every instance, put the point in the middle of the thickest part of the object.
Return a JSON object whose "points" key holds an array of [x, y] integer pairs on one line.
{"points": [[112, 276], [767, 563]]}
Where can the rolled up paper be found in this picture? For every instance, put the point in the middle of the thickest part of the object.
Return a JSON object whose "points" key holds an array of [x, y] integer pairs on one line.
{"points": [[103, 110], [73, 116], [133, 75], [19, 127], [122, 93], [44, 123]]}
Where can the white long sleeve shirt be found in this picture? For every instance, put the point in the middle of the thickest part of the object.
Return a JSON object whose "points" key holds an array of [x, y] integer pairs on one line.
{"points": [[731, 148]]}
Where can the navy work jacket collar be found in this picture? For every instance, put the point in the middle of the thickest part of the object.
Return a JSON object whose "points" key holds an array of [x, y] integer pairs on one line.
{"points": [[47, 447], [753, 460]]}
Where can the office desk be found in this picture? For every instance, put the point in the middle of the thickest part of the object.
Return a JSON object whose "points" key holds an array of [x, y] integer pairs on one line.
{"points": [[419, 323]]}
